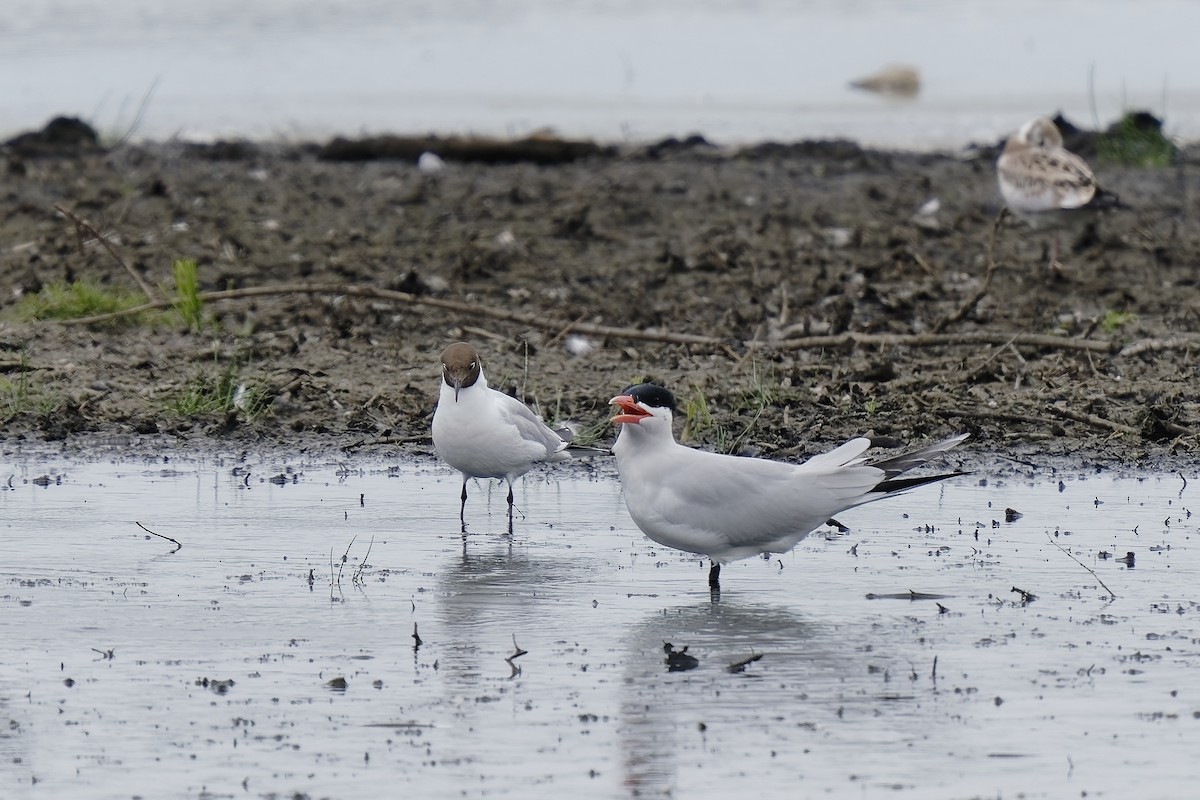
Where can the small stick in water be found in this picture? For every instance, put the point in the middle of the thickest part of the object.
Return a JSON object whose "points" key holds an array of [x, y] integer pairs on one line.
{"points": [[1085, 566], [176, 542]]}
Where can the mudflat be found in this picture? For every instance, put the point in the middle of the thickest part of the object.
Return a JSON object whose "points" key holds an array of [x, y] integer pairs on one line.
{"points": [[791, 296]]}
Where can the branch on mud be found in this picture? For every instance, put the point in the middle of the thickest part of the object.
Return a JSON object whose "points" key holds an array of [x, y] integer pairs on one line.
{"points": [[542, 322], [1001, 338], [468, 309], [1092, 419], [1175, 429], [83, 225], [1158, 345], [993, 415], [1064, 413], [22, 365]]}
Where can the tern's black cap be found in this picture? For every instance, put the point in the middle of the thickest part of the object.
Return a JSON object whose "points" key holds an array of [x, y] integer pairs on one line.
{"points": [[652, 395]]}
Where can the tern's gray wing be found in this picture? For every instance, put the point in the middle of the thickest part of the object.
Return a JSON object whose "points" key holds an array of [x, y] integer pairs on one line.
{"points": [[730, 507], [849, 453], [906, 461]]}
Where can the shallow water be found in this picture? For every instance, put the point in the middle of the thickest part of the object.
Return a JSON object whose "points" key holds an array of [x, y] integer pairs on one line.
{"points": [[736, 71], [1068, 693]]}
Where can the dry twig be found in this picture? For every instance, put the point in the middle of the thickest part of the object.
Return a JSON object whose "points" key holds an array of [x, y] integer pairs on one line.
{"points": [[83, 225], [1092, 419]]}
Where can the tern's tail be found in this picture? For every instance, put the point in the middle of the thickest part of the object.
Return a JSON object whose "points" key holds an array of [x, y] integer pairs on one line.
{"points": [[903, 463]]}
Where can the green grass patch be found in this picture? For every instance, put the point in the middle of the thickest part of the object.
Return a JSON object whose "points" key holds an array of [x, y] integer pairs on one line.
{"points": [[1112, 321], [20, 395], [588, 435], [1135, 141], [76, 300], [697, 417], [187, 302], [220, 393], [753, 402]]}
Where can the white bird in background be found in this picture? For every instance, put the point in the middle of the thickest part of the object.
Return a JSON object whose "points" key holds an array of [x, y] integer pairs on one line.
{"points": [[1047, 185], [901, 81], [484, 433], [732, 507], [430, 163]]}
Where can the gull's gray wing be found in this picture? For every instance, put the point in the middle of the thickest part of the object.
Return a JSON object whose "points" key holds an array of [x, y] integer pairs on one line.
{"points": [[530, 426]]}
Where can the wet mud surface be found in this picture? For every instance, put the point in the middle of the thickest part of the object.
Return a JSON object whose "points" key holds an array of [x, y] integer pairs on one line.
{"points": [[820, 302]]}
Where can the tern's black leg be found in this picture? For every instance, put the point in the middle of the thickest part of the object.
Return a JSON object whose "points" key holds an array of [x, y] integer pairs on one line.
{"points": [[714, 577]]}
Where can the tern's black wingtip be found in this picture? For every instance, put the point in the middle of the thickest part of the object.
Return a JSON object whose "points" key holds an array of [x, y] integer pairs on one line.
{"points": [[893, 485]]}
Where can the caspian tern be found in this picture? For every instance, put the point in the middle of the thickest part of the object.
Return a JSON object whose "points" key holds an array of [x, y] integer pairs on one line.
{"points": [[484, 433], [732, 507]]}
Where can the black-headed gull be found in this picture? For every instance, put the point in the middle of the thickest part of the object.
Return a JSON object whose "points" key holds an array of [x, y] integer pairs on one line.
{"points": [[1045, 184], [484, 433], [732, 507]]}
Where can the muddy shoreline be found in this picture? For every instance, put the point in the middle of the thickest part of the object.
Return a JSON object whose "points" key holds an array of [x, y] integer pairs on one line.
{"points": [[758, 252]]}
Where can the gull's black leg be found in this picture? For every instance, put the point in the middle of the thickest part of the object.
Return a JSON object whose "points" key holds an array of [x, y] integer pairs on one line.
{"points": [[462, 509], [510, 510], [714, 577]]}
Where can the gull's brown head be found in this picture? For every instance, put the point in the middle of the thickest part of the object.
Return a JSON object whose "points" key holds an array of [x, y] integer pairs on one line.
{"points": [[460, 366]]}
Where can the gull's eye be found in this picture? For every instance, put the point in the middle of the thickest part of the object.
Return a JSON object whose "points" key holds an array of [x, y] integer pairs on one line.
{"points": [[471, 366]]}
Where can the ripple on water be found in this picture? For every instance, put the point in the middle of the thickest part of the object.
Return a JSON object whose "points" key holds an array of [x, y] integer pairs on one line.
{"points": [[938, 648]]}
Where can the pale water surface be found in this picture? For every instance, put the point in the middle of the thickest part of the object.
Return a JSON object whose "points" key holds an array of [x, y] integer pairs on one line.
{"points": [[617, 70], [975, 694]]}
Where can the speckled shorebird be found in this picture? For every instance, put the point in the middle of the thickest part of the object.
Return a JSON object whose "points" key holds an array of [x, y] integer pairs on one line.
{"points": [[484, 433], [1047, 185], [731, 507]]}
